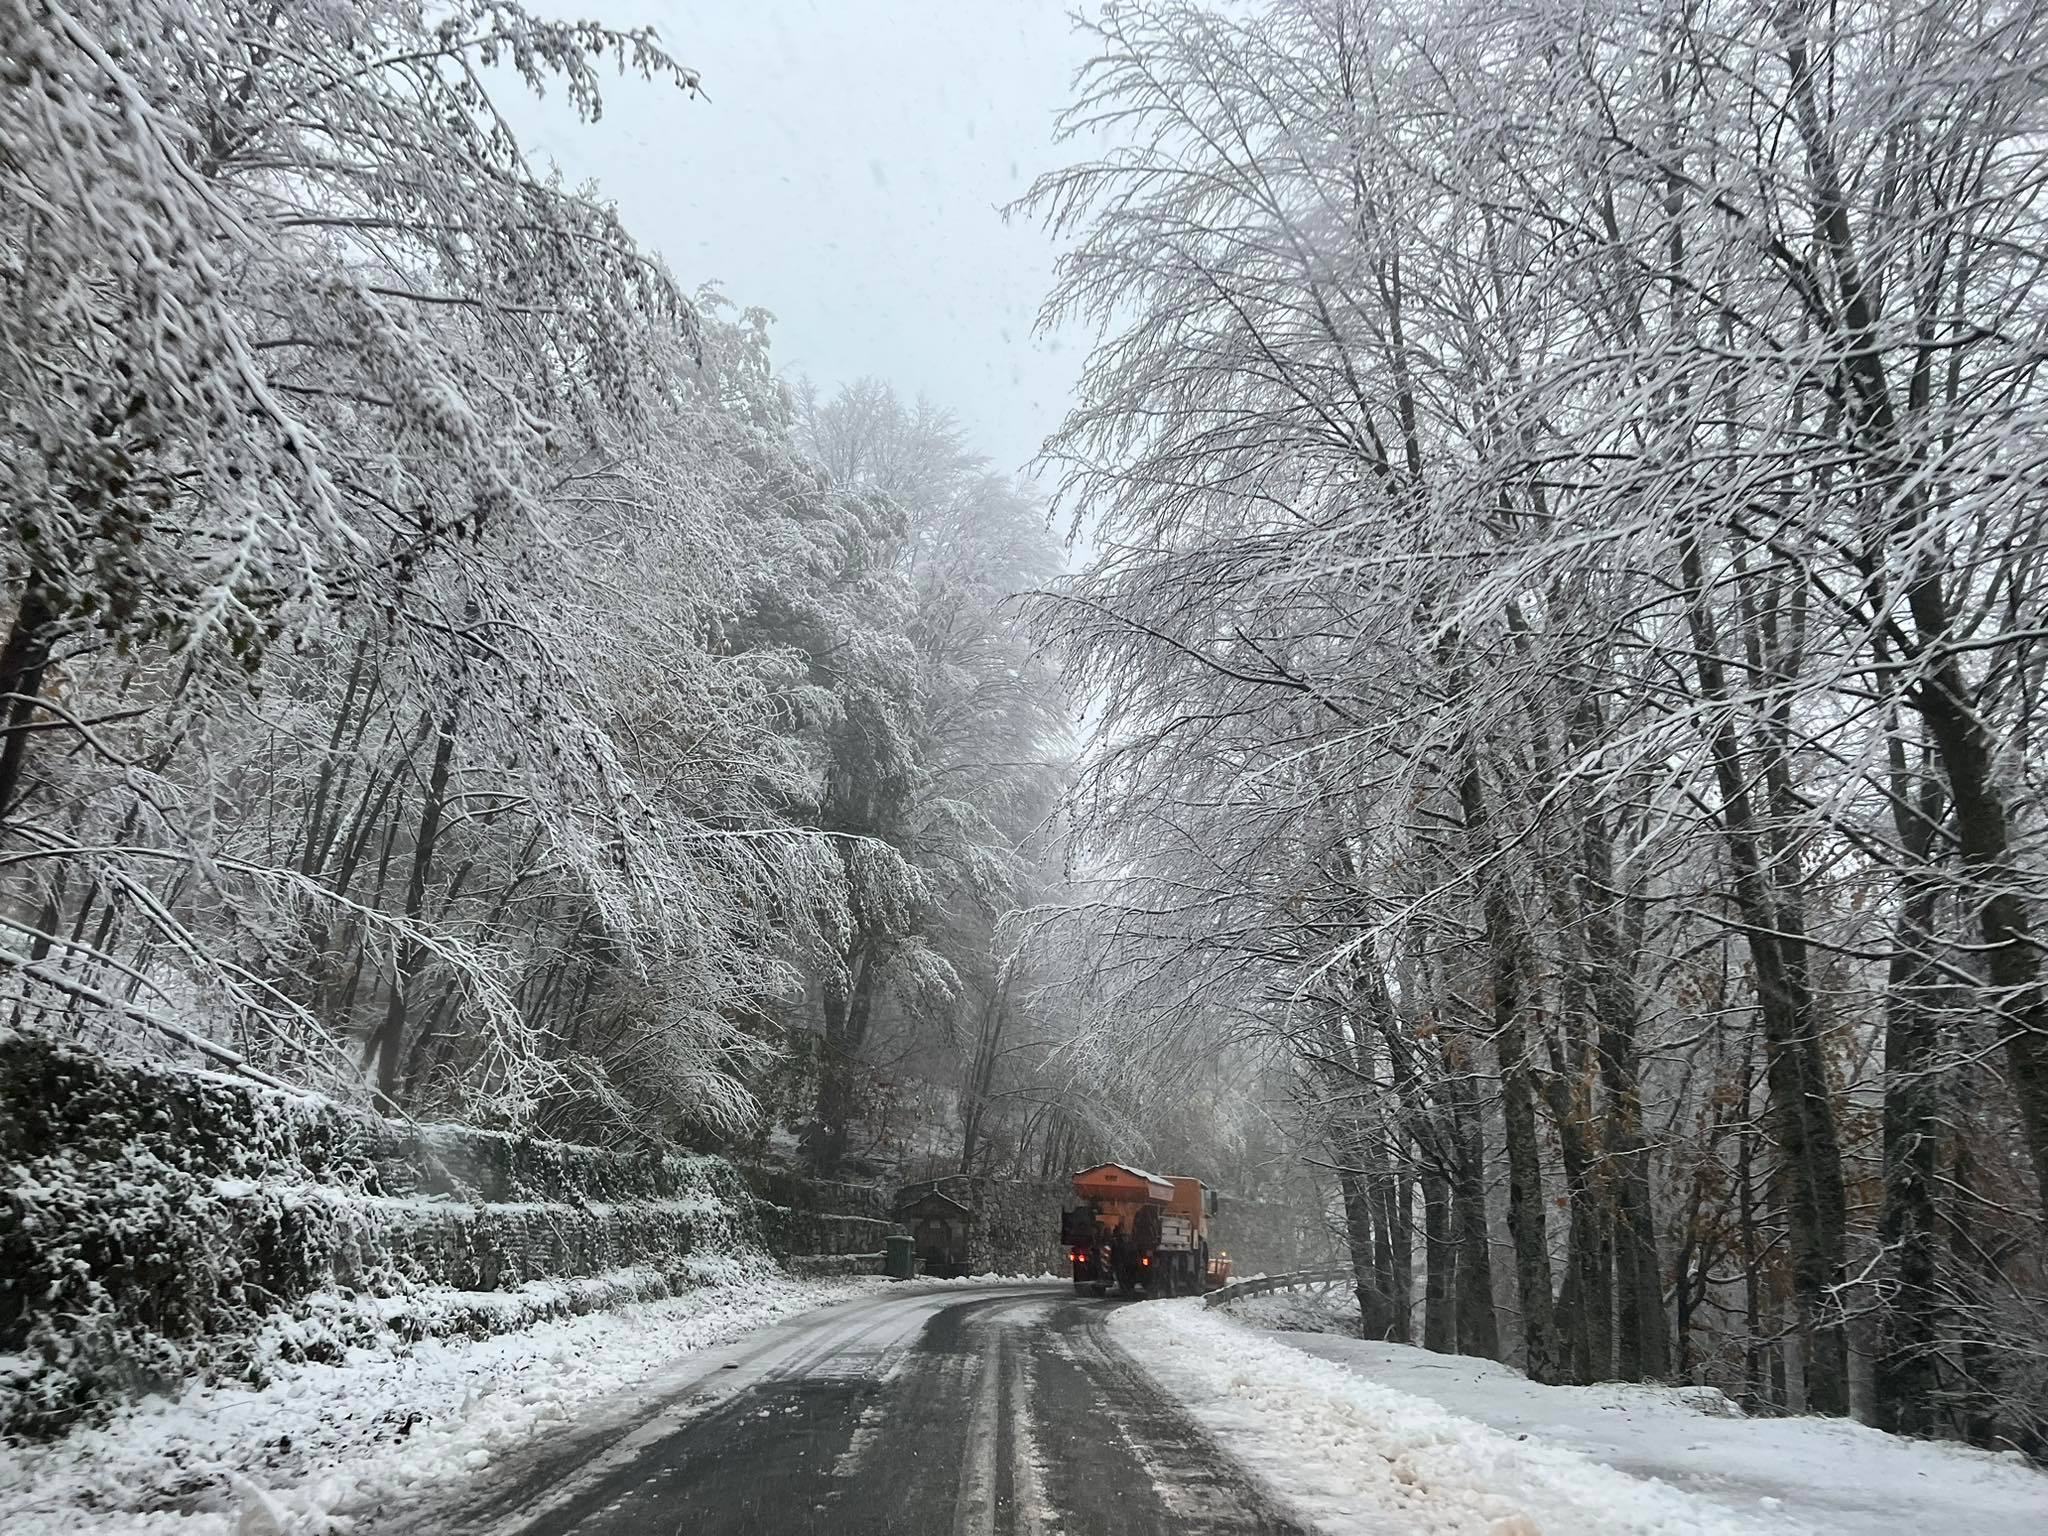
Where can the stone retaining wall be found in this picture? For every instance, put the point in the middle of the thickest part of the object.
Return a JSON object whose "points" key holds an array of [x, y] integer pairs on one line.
{"points": [[791, 1232], [157, 1224]]}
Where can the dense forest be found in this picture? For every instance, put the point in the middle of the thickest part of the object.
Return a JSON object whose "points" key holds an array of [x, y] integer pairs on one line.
{"points": [[443, 657], [1527, 749], [1567, 615]]}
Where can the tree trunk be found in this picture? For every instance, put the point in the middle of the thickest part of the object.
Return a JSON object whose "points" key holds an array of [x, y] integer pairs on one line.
{"points": [[2011, 957], [1506, 953], [1478, 1328], [1906, 1379], [1585, 1302], [974, 1098], [1375, 1317], [1978, 1399], [319, 828], [847, 1011], [1642, 1343], [387, 1045], [23, 660], [1802, 1105], [1584, 1313], [1440, 1265], [1399, 1223], [1754, 1367]]}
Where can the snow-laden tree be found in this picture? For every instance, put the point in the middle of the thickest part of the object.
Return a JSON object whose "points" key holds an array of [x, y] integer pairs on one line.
{"points": [[397, 670], [956, 766], [1563, 490]]}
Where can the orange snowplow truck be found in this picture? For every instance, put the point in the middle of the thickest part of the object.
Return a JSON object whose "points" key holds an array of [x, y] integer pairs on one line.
{"points": [[1141, 1232]]}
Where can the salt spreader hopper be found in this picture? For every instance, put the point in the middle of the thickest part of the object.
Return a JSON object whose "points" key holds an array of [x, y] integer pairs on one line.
{"points": [[1141, 1232]]}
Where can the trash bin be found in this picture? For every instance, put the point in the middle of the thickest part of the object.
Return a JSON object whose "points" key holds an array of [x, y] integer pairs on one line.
{"points": [[899, 1257]]}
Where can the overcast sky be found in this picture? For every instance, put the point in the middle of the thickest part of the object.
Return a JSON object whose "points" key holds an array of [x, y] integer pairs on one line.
{"points": [[845, 174]]}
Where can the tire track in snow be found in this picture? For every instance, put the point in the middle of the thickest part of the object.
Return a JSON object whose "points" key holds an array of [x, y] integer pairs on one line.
{"points": [[1123, 1457], [1003, 1414]]}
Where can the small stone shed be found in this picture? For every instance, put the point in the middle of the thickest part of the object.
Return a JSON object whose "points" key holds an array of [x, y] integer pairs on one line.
{"points": [[941, 1227]]}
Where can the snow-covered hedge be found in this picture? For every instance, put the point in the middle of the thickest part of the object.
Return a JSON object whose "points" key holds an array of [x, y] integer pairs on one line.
{"points": [[159, 1224]]}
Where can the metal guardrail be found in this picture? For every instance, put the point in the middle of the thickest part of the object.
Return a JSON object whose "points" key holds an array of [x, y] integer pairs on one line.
{"points": [[1265, 1285]]}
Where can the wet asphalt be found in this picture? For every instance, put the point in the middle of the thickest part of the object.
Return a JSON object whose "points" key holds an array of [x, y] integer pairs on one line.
{"points": [[1006, 1412]]}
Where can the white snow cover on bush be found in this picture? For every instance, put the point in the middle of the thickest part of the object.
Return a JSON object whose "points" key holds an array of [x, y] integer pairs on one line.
{"points": [[1360, 1459], [319, 1443]]}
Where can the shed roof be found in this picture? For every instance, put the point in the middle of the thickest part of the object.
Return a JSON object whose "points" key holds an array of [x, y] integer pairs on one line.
{"points": [[933, 1203]]}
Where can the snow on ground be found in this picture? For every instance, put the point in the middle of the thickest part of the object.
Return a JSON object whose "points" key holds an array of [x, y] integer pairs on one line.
{"points": [[1825, 1475], [1486, 1452], [972, 1282], [273, 1460]]}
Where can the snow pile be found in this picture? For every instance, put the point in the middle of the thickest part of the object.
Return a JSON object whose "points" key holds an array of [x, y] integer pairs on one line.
{"points": [[1356, 1457], [326, 1447], [965, 1282], [1828, 1475], [1367, 1437]]}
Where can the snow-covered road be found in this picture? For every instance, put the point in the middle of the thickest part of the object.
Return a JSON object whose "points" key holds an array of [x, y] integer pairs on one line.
{"points": [[755, 1404], [319, 1448], [971, 1409], [975, 1411]]}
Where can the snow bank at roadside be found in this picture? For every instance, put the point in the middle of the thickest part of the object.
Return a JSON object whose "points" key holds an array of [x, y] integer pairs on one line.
{"points": [[966, 1282], [1384, 1438], [1359, 1459], [1825, 1475], [294, 1457]]}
